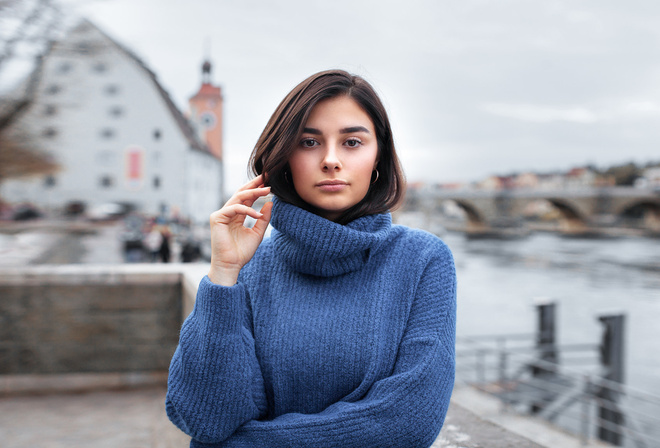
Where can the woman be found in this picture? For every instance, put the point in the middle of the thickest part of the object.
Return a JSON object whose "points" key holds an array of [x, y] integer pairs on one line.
{"points": [[338, 330]]}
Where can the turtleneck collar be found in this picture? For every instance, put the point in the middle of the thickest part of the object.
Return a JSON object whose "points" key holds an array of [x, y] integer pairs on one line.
{"points": [[314, 245]]}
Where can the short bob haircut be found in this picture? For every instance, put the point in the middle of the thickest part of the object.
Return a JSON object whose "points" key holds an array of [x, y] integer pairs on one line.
{"points": [[281, 136]]}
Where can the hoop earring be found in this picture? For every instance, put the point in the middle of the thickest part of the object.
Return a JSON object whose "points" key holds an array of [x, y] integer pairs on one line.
{"points": [[376, 179]]}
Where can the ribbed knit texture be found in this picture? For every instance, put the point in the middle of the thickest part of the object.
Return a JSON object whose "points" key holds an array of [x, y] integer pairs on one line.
{"points": [[334, 336]]}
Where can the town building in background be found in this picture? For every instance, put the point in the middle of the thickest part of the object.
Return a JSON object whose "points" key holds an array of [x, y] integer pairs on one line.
{"points": [[650, 178], [116, 135]]}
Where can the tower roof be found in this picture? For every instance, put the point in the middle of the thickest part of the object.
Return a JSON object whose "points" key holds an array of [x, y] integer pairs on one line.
{"points": [[207, 91]]}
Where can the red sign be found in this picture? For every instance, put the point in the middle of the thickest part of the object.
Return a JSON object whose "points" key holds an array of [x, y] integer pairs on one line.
{"points": [[134, 167]]}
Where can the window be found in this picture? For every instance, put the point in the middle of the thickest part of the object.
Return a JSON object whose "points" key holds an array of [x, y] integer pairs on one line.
{"points": [[53, 89], [106, 181], [111, 89], [107, 133], [100, 67], [64, 67], [84, 47], [156, 182], [50, 110], [49, 181], [116, 111], [157, 134]]}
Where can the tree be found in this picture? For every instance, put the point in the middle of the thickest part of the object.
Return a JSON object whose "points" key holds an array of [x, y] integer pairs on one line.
{"points": [[27, 30], [20, 156], [625, 174]]}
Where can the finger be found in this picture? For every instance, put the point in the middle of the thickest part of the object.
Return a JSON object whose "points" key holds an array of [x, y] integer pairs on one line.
{"points": [[226, 214], [254, 183], [262, 223], [248, 197]]}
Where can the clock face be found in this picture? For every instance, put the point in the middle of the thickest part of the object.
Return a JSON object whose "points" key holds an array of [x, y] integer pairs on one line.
{"points": [[208, 119]]}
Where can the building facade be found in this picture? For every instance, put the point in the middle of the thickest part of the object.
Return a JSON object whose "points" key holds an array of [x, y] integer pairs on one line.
{"points": [[117, 136]]}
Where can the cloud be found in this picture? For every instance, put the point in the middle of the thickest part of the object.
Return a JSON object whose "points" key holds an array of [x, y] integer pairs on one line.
{"points": [[644, 106], [540, 114]]}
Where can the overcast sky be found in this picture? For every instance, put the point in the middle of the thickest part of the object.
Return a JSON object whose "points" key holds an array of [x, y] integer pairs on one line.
{"points": [[473, 87]]}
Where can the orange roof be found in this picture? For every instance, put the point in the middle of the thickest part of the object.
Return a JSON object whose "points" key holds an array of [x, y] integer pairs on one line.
{"points": [[207, 90]]}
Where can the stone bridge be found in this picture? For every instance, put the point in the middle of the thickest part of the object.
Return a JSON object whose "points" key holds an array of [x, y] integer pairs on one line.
{"points": [[582, 211]]}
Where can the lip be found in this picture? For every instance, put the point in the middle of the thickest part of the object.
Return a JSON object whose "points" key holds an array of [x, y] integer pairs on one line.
{"points": [[332, 185], [332, 182]]}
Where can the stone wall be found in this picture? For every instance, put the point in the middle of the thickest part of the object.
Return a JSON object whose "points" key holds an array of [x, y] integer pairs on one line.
{"points": [[55, 321]]}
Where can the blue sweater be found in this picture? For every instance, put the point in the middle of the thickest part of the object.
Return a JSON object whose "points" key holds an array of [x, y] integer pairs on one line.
{"points": [[334, 336]]}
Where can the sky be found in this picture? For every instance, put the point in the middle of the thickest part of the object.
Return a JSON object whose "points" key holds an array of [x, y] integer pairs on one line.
{"points": [[472, 87]]}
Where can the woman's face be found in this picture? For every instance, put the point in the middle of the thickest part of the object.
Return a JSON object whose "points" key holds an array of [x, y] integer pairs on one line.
{"points": [[332, 163]]}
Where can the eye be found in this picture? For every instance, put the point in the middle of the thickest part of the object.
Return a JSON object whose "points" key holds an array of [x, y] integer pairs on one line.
{"points": [[353, 142], [308, 143]]}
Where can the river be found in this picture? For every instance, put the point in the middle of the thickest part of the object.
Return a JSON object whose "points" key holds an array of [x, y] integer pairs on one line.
{"points": [[499, 282]]}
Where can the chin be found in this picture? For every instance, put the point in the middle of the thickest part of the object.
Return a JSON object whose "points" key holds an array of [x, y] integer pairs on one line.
{"points": [[328, 212]]}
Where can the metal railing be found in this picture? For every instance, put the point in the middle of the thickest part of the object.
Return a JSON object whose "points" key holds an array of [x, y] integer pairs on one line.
{"points": [[572, 393]]}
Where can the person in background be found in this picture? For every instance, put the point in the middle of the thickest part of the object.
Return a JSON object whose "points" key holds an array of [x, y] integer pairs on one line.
{"points": [[190, 251], [153, 242], [339, 329], [164, 251]]}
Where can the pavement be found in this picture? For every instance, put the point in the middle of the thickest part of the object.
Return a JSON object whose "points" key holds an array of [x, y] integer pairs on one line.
{"points": [[136, 419], [535, 429], [100, 419]]}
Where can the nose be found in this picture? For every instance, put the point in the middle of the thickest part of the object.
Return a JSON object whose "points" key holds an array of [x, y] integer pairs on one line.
{"points": [[331, 160]]}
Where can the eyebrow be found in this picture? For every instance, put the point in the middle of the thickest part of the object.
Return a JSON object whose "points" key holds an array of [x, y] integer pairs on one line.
{"points": [[349, 130]]}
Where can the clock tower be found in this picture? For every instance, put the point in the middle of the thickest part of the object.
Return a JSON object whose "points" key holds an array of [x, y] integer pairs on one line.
{"points": [[206, 112]]}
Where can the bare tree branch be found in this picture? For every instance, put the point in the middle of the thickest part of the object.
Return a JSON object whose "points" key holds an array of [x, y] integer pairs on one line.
{"points": [[20, 156]]}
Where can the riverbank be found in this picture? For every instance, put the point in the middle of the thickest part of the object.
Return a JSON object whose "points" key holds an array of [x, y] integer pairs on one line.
{"points": [[544, 227], [65, 242]]}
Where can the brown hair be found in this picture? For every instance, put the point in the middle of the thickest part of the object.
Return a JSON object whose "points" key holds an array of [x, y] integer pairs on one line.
{"points": [[271, 154]]}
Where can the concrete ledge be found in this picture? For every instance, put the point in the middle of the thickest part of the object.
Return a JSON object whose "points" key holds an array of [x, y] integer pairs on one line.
{"points": [[78, 382], [77, 274]]}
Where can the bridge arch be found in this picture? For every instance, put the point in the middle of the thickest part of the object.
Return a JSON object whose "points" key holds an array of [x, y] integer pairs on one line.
{"points": [[643, 213], [566, 209], [475, 219], [572, 220]]}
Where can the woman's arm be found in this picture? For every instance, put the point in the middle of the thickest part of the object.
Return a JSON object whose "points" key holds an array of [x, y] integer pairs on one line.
{"points": [[406, 409], [215, 383]]}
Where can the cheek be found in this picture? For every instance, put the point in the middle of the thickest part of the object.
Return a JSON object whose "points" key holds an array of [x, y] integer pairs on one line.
{"points": [[301, 176], [299, 165], [366, 165]]}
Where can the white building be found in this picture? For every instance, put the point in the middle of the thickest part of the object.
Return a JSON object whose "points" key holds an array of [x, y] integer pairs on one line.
{"points": [[650, 178], [115, 132]]}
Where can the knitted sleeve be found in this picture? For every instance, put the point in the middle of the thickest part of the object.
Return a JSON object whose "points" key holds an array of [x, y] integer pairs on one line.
{"points": [[215, 383], [407, 408]]}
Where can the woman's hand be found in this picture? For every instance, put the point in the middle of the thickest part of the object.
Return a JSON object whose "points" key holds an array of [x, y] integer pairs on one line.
{"points": [[233, 244]]}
